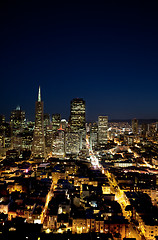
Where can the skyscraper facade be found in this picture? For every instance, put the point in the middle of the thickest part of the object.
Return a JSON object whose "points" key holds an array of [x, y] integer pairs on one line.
{"points": [[56, 118], [72, 143], [135, 126], [77, 115], [17, 120], [58, 146], [144, 130], [38, 148], [102, 129], [47, 132], [93, 135], [17, 123], [46, 122]]}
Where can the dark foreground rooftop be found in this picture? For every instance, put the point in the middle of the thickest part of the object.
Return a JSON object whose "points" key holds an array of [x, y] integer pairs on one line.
{"points": [[43, 236]]}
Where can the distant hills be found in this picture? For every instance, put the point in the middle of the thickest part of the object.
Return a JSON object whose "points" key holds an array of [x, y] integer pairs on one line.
{"points": [[140, 121]]}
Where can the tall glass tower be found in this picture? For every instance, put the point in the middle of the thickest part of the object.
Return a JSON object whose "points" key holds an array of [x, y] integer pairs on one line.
{"points": [[102, 129], [38, 147], [77, 114], [17, 120]]}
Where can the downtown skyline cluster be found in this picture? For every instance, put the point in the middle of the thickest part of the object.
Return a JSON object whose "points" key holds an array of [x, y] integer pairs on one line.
{"points": [[75, 179], [79, 158], [30, 114]]}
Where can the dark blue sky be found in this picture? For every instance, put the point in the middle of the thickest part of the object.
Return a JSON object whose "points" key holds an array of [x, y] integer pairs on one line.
{"points": [[105, 52]]}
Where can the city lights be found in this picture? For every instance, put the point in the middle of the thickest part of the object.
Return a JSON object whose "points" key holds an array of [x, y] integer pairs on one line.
{"points": [[86, 175]]}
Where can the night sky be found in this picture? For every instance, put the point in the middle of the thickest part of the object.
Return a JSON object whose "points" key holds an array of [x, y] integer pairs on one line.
{"points": [[103, 51]]}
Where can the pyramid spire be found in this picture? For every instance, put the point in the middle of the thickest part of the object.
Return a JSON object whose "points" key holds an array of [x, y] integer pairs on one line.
{"points": [[39, 94]]}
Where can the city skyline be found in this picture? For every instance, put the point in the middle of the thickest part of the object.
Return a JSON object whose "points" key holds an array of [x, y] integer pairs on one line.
{"points": [[79, 120], [67, 115], [105, 53]]}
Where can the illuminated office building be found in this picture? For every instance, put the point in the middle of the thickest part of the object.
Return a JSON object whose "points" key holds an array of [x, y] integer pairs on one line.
{"points": [[17, 120], [47, 132], [38, 148], [135, 126], [56, 118], [102, 129], [46, 122], [49, 137], [17, 123], [27, 136], [2, 131], [58, 146], [77, 114], [72, 143], [93, 135], [144, 130], [6, 135]]}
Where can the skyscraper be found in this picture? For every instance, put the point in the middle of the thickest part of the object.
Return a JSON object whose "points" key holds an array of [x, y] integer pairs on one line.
{"points": [[134, 126], [102, 129], [72, 143], [77, 115], [144, 130], [38, 148], [47, 132], [93, 135], [58, 146], [17, 120], [46, 122], [56, 118], [17, 123]]}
